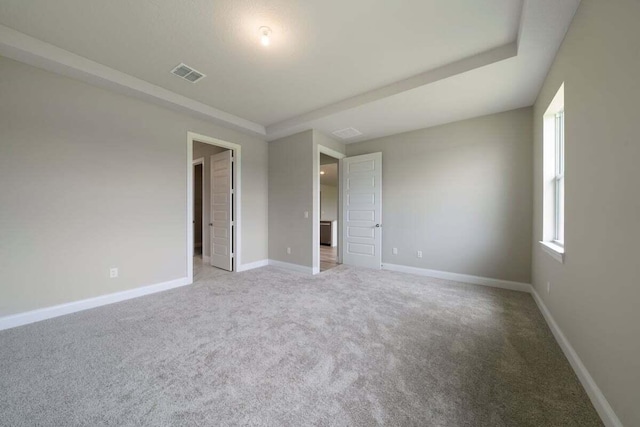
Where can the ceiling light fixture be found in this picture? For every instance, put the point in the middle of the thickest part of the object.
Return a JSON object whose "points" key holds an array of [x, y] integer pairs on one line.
{"points": [[321, 172], [265, 34]]}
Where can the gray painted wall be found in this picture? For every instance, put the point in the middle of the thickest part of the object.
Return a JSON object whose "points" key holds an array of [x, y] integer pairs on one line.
{"points": [[91, 179], [294, 183], [595, 294], [290, 195], [201, 149], [460, 193], [329, 203]]}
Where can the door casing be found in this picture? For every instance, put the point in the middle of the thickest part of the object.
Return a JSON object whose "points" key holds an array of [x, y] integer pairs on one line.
{"points": [[316, 205], [237, 202]]}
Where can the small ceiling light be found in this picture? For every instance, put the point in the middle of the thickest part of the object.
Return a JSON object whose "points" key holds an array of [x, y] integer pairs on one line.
{"points": [[321, 172], [265, 34]]}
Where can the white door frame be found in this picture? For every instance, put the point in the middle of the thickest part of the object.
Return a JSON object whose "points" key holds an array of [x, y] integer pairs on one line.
{"points": [[200, 161], [316, 204], [237, 206]]}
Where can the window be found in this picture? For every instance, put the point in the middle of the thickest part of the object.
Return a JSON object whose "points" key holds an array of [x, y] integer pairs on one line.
{"points": [[553, 177], [559, 179]]}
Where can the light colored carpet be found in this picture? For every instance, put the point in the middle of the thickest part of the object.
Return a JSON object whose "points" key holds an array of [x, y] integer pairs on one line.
{"points": [[268, 347]]}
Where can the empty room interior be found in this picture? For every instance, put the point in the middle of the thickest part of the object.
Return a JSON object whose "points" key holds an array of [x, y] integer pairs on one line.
{"points": [[319, 213]]}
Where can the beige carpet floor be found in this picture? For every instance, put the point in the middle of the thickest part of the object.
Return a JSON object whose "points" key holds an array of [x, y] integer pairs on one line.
{"points": [[268, 347]]}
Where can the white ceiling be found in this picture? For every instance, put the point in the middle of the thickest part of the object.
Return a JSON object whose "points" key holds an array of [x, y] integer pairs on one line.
{"points": [[380, 66]]}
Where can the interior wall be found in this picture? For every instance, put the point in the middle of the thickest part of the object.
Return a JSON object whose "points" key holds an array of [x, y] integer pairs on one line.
{"points": [[328, 203], [461, 194], [294, 188], [594, 295], [201, 149], [290, 196], [105, 176], [329, 188]]}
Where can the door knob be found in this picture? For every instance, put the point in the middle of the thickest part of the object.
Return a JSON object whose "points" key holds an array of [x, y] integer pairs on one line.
{"points": [[210, 224], [378, 225]]}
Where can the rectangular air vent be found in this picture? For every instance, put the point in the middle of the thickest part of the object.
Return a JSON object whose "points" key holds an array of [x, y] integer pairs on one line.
{"points": [[347, 133], [189, 74]]}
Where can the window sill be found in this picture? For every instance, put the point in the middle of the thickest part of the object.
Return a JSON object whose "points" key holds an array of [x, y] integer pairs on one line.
{"points": [[556, 252]]}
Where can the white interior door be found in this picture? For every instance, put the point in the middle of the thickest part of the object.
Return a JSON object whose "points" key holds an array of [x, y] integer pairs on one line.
{"points": [[221, 204], [362, 210]]}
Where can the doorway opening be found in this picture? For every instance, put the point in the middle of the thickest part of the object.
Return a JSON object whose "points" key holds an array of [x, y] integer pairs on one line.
{"points": [[213, 208], [328, 211], [198, 208]]}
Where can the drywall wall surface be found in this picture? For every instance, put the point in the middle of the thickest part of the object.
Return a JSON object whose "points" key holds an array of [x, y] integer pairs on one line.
{"points": [[461, 194], [290, 197], [326, 141], [92, 179], [594, 295], [203, 150], [294, 202], [328, 203]]}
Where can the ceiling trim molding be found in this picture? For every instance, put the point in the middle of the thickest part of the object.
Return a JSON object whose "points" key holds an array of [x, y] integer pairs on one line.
{"points": [[24, 48], [464, 65]]}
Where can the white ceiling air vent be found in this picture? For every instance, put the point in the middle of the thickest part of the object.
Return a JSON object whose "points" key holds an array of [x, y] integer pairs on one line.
{"points": [[188, 73], [347, 133]]}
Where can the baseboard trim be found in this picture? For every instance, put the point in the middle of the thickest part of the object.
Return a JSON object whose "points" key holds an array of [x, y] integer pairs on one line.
{"points": [[294, 267], [252, 265], [606, 412], [38, 315], [464, 278]]}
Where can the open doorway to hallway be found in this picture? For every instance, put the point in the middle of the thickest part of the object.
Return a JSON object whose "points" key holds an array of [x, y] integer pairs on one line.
{"points": [[198, 208], [329, 212], [213, 205]]}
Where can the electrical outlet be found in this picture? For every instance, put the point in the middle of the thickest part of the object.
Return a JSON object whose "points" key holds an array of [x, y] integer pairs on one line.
{"points": [[289, 251], [419, 254], [306, 214], [113, 272], [548, 287], [395, 251]]}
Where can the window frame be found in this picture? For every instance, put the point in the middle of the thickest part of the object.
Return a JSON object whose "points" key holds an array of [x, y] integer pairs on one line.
{"points": [[558, 180], [553, 177]]}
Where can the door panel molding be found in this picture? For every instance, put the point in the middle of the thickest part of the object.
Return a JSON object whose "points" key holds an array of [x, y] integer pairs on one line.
{"points": [[361, 210], [236, 199], [220, 211]]}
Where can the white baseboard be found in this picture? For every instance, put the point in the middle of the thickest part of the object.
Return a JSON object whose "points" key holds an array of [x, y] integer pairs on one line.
{"points": [[25, 318], [289, 266], [252, 265], [598, 400], [596, 396], [464, 278]]}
